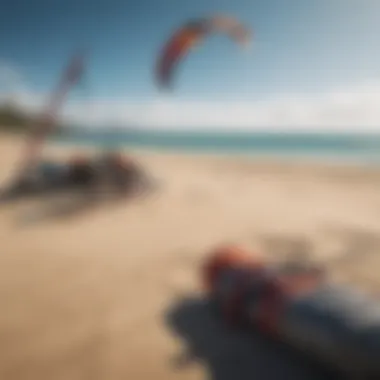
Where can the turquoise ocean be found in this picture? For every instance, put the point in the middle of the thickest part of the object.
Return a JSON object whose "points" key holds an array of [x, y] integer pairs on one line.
{"points": [[345, 147]]}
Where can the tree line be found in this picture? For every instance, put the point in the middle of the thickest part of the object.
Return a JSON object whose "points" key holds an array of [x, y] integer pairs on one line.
{"points": [[13, 119]]}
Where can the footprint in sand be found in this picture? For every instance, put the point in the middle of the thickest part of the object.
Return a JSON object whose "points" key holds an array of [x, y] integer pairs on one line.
{"points": [[181, 275], [281, 247], [355, 243]]}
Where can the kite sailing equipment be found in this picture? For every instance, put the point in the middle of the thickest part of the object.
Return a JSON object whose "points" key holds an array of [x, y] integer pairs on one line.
{"points": [[47, 122], [191, 34], [337, 325], [85, 174], [112, 174]]}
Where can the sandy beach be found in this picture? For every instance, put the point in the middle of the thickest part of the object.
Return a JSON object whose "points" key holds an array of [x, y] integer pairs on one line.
{"points": [[111, 293]]}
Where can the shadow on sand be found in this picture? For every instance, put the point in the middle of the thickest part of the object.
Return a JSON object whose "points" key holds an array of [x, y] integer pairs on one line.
{"points": [[235, 355], [65, 207]]}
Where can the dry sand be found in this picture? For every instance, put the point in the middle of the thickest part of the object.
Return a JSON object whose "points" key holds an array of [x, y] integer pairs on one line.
{"points": [[103, 294]]}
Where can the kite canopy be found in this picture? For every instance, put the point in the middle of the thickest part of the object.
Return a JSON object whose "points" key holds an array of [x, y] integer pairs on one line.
{"points": [[192, 33]]}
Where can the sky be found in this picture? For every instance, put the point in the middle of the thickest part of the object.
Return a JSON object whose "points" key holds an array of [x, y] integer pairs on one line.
{"points": [[313, 64]]}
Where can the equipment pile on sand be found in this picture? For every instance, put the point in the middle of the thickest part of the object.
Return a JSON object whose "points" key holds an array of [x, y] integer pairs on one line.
{"points": [[106, 174], [337, 325]]}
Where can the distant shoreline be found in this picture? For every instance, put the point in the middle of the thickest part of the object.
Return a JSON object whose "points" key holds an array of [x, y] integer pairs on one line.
{"points": [[331, 150], [325, 148]]}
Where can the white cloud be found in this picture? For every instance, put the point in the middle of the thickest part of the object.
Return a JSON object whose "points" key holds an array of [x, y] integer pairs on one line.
{"points": [[355, 107], [9, 74], [12, 83]]}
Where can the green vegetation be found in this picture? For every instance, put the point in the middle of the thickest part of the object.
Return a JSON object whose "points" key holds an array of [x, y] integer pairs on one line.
{"points": [[12, 119]]}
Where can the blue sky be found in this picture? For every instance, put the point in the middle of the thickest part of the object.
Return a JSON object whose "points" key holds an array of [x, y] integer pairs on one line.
{"points": [[300, 47]]}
